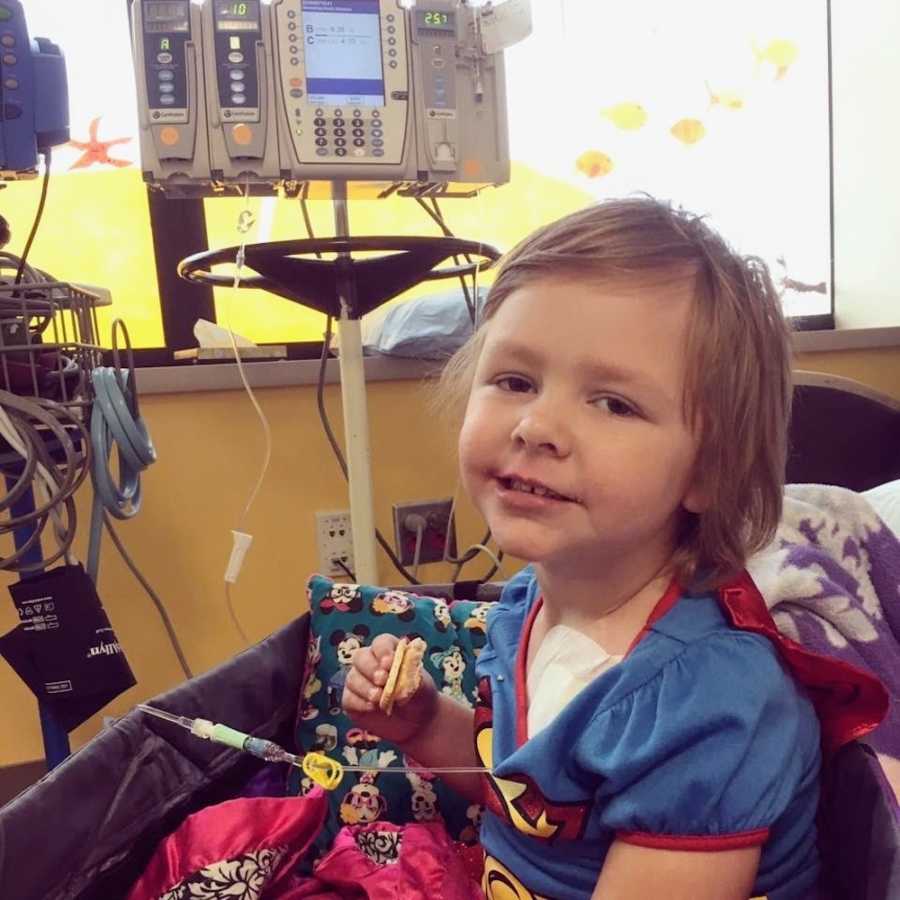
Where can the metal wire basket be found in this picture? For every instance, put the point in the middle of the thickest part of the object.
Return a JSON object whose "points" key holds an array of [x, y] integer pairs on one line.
{"points": [[48, 341]]}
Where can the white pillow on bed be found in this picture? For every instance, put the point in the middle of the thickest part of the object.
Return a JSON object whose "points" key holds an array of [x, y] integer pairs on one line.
{"points": [[886, 500]]}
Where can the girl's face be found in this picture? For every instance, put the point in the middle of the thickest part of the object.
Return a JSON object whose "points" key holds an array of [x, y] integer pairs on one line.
{"points": [[574, 447]]}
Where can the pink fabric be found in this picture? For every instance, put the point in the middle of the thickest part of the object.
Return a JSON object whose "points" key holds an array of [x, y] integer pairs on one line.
{"points": [[250, 844], [380, 861]]}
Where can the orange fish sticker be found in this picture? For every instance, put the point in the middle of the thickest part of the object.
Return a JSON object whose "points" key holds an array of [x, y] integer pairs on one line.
{"points": [[688, 131], [594, 164]]}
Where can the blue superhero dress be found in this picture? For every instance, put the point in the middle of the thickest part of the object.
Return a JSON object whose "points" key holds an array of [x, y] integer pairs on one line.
{"points": [[700, 738]]}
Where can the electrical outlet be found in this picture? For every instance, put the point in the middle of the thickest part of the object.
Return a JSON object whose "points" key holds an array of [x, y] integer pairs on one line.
{"points": [[335, 541], [439, 533]]}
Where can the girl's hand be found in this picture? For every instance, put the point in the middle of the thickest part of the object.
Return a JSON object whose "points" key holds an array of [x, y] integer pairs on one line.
{"points": [[362, 690]]}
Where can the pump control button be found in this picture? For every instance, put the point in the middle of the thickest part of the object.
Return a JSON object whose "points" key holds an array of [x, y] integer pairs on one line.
{"points": [[243, 134], [164, 59], [166, 75], [167, 89], [11, 83], [339, 123], [318, 120], [167, 100], [236, 75], [235, 57], [341, 151], [340, 132], [169, 136], [8, 40], [10, 59]]}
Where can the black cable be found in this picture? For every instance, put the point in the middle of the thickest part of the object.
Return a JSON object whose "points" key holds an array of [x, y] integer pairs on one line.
{"points": [[160, 606], [304, 210], [323, 416], [343, 566], [37, 218], [438, 218]]}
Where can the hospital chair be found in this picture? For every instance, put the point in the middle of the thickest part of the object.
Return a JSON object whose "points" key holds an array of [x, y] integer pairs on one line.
{"points": [[86, 831]]}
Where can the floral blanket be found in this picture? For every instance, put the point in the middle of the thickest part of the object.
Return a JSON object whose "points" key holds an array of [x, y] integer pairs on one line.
{"points": [[831, 579]]}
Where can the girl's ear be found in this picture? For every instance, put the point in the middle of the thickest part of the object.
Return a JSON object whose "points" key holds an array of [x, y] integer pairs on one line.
{"points": [[697, 499]]}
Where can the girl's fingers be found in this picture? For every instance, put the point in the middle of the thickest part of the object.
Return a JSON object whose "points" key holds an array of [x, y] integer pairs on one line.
{"points": [[361, 687]]}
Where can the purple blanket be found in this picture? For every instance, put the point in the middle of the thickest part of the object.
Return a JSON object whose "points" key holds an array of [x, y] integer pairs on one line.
{"points": [[831, 579]]}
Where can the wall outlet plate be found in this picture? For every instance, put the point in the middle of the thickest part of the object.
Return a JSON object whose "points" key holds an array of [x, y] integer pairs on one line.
{"points": [[335, 541], [439, 534]]}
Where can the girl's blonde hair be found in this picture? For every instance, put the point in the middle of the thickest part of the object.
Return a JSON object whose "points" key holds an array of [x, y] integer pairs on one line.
{"points": [[738, 383]]}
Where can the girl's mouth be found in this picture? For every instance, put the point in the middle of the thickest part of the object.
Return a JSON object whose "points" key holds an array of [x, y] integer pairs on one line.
{"points": [[530, 487]]}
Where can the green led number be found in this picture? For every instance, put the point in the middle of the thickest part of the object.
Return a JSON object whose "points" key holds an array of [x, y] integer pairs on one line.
{"points": [[239, 9], [5, 14]]}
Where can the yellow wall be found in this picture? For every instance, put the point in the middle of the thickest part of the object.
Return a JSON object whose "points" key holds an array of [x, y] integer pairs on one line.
{"points": [[210, 448]]}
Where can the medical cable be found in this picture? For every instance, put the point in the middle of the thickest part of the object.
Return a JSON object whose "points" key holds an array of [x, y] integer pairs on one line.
{"points": [[436, 214], [38, 216], [241, 538], [474, 312], [321, 769], [26, 423], [116, 423]]}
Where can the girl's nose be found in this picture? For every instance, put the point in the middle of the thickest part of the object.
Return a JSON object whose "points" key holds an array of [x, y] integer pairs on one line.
{"points": [[540, 431]]}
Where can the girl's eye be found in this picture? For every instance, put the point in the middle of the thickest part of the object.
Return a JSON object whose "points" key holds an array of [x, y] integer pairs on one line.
{"points": [[513, 383], [616, 407]]}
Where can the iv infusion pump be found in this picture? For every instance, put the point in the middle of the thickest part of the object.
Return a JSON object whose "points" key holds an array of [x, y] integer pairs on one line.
{"points": [[242, 94]]}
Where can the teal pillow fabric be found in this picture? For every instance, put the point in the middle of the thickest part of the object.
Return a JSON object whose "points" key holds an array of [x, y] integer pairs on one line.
{"points": [[344, 617]]}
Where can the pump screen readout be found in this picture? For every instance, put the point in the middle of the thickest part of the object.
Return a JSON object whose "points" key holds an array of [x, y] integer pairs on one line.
{"points": [[171, 15], [343, 52], [237, 15], [429, 18]]}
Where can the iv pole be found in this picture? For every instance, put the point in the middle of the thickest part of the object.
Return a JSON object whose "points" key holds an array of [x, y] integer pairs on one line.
{"points": [[356, 416]]}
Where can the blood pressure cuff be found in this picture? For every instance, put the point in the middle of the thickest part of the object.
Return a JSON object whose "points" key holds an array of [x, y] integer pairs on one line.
{"points": [[64, 648]]}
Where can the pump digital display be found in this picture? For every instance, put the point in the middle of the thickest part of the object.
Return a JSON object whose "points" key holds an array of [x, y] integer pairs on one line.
{"points": [[5, 13], [237, 15], [171, 15], [429, 18], [342, 43]]}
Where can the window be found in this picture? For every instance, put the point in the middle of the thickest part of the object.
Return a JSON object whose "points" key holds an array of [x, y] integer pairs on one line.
{"points": [[722, 107], [96, 225]]}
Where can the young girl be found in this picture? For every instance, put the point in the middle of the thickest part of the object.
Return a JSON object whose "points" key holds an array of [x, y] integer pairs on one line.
{"points": [[628, 393]]}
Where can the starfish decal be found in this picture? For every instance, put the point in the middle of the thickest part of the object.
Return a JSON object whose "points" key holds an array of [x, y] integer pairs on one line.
{"points": [[97, 151]]}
